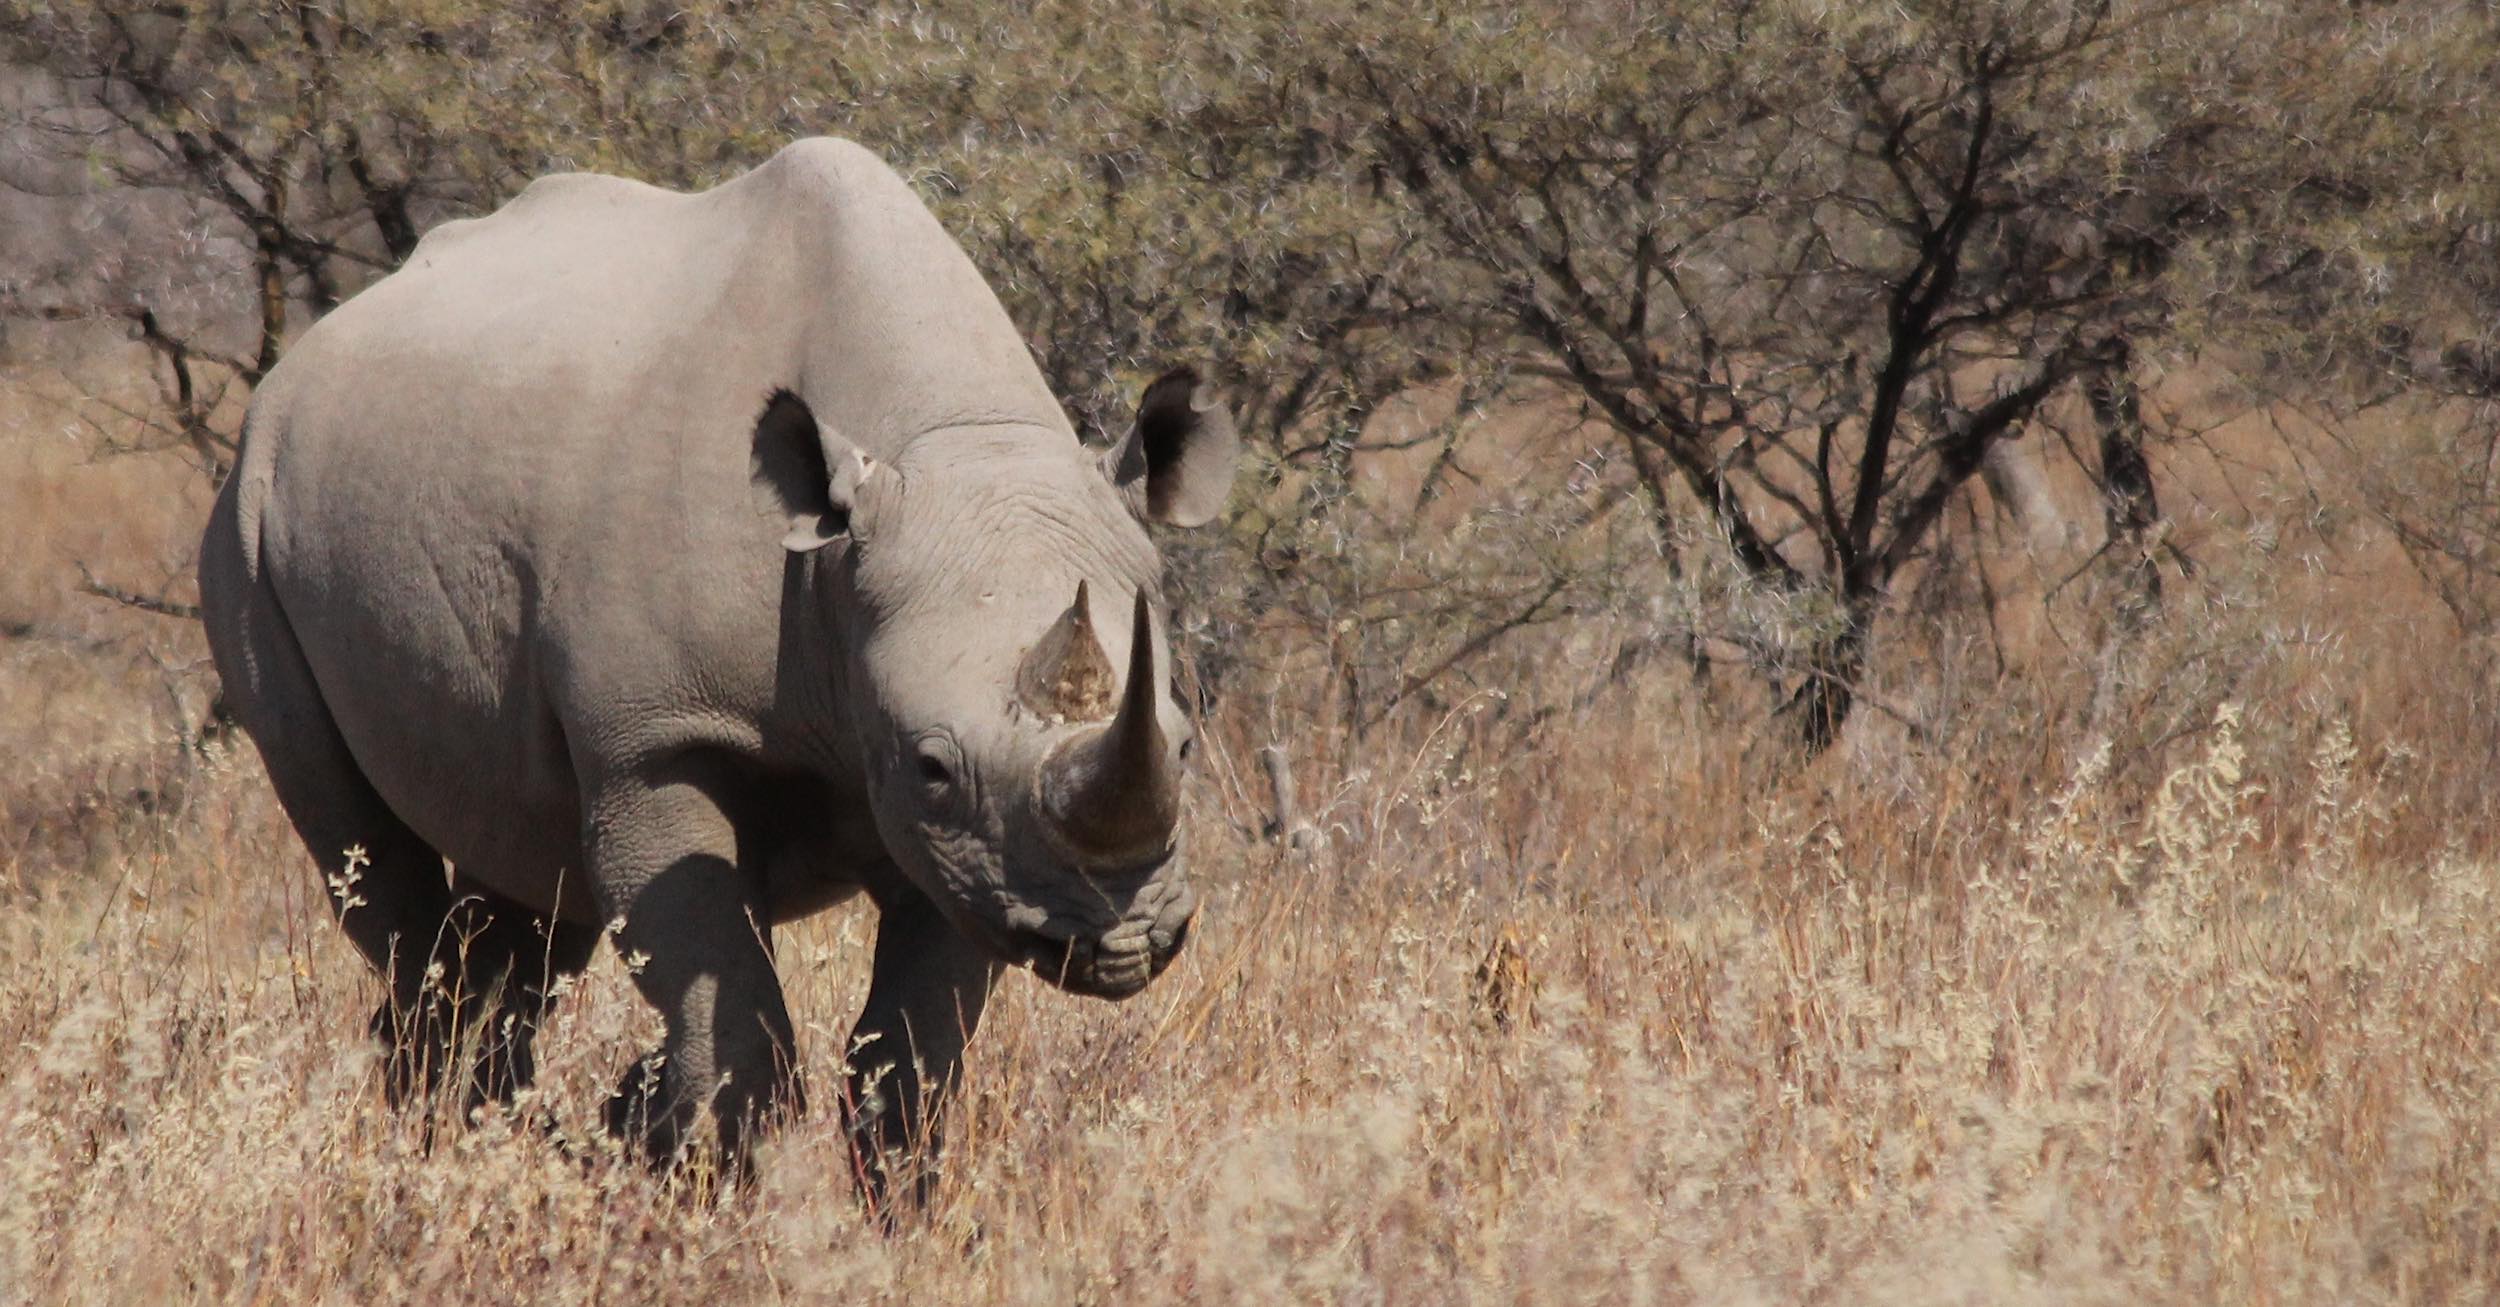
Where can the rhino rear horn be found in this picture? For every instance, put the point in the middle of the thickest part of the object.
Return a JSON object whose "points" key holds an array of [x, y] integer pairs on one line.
{"points": [[1066, 676], [1113, 795]]}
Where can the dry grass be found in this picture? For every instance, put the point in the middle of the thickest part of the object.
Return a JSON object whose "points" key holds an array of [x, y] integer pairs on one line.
{"points": [[2063, 1007]]}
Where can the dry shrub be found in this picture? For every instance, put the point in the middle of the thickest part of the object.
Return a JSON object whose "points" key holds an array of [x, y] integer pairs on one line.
{"points": [[94, 695]]}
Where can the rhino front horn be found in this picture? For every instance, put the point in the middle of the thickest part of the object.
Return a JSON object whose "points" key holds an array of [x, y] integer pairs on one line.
{"points": [[1113, 795]]}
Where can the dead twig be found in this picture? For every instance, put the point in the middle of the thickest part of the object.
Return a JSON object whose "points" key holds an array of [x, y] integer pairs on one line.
{"points": [[157, 604]]}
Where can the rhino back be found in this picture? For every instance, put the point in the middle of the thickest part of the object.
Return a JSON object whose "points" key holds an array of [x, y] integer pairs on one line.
{"points": [[505, 497]]}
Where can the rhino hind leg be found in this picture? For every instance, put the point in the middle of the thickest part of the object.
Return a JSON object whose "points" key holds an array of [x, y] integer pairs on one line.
{"points": [[387, 886], [441, 958], [499, 969]]}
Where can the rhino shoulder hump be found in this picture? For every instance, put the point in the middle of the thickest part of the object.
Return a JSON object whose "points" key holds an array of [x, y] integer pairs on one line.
{"points": [[553, 195], [832, 171]]}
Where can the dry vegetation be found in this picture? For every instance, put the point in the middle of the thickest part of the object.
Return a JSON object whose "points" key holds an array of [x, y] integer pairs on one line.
{"points": [[1611, 1010], [2133, 943]]}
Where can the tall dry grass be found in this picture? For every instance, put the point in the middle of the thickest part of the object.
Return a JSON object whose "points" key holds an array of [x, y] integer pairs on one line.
{"points": [[2165, 972]]}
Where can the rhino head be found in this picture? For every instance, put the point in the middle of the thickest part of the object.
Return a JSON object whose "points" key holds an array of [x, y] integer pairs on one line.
{"points": [[996, 610]]}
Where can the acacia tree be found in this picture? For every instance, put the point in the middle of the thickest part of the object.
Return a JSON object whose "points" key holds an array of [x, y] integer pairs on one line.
{"points": [[1129, 214], [2371, 293], [325, 138], [1811, 267], [319, 147]]}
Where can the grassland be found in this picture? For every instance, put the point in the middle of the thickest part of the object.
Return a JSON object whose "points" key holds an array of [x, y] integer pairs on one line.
{"points": [[2164, 970]]}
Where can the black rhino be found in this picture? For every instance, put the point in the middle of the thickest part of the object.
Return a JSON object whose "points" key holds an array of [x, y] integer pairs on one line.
{"points": [[681, 564]]}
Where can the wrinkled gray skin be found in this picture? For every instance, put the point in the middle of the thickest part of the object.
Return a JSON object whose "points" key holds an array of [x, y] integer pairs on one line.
{"points": [[690, 563]]}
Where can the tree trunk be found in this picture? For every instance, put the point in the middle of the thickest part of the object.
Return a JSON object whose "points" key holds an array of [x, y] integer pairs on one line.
{"points": [[1829, 692], [2014, 477], [2129, 508], [1287, 826]]}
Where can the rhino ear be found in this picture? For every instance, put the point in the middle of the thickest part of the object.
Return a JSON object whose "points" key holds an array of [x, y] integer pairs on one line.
{"points": [[812, 476], [1177, 462]]}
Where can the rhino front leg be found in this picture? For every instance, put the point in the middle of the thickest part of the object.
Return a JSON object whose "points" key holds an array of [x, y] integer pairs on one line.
{"points": [[925, 996], [691, 931]]}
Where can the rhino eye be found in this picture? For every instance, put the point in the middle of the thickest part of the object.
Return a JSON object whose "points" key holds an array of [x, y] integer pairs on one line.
{"points": [[934, 757]]}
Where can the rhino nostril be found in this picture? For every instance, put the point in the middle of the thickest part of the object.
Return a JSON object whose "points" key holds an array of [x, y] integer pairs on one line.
{"points": [[1050, 955], [1114, 964]]}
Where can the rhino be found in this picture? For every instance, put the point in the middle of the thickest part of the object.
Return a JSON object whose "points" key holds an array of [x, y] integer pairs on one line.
{"points": [[670, 566]]}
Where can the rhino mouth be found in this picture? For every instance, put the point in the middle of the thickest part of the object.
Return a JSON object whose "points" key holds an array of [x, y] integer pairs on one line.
{"points": [[1114, 964]]}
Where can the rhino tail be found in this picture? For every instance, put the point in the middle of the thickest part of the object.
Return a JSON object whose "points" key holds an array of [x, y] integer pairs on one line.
{"points": [[247, 492], [237, 604]]}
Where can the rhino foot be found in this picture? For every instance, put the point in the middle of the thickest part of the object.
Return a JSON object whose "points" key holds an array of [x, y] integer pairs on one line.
{"points": [[493, 977], [636, 1113], [652, 1116], [416, 1043]]}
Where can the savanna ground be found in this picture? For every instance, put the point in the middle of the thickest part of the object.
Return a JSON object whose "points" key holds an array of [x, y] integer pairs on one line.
{"points": [[1614, 1007], [1801, 822]]}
